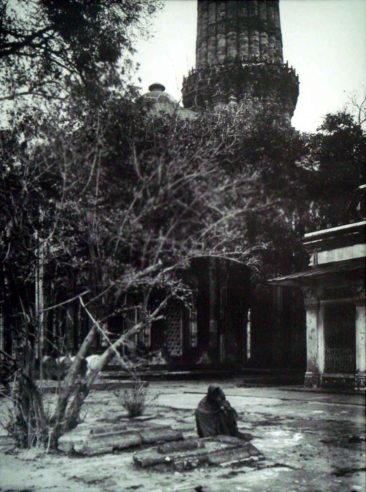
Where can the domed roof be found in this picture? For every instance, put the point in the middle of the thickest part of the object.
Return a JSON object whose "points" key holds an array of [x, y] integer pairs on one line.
{"points": [[159, 99]]}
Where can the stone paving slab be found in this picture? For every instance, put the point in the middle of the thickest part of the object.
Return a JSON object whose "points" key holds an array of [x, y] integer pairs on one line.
{"points": [[233, 388], [268, 402], [187, 455], [94, 439]]}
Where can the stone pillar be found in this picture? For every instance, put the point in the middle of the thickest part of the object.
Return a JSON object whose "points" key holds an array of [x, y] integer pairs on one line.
{"points": [[360, 377], [39, 300], [321, 339], [278, 335], [2, 333], [213, 328], [312, 376]]}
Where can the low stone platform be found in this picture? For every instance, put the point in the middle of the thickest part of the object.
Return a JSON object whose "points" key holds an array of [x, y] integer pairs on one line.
{"points": [[193, 453], [100, 384], [106, 438]]}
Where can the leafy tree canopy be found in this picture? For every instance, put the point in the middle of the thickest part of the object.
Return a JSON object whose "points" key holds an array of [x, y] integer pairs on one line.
{"points": [[51, 47], [115, 202], [337, 152]]}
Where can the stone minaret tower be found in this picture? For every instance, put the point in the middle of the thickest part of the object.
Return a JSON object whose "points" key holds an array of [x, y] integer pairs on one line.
{"points": [[239, 58]]}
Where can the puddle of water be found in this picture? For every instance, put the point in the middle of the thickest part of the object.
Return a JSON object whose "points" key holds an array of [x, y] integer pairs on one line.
{"points": [[278, 439]]}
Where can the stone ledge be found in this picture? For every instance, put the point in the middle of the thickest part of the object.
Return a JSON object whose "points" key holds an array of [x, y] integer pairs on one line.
{"points": [[107, 438], [193, 453]]}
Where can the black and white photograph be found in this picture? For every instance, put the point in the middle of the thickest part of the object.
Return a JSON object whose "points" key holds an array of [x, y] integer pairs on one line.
{"points": [[182, 245]]}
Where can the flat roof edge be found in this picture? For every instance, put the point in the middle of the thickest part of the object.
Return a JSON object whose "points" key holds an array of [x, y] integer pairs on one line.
{"points": [[294, 279], [325, 232]]}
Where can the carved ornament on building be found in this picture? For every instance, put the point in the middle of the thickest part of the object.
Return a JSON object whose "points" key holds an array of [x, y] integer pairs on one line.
{"points": [[358, 292], [271, 83], [311, 297]]}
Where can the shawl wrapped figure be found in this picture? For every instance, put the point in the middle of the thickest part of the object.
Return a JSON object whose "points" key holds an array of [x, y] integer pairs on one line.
{"points": [[215, 415]]}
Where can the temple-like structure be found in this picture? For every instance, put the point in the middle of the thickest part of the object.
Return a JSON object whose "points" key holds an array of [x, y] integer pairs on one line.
{"points": [[239, 57], [334, 295], [239, 60]]}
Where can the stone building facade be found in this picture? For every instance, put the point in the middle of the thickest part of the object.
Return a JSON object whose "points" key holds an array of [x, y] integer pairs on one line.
{"points": [[334, 295], [211, 333]]}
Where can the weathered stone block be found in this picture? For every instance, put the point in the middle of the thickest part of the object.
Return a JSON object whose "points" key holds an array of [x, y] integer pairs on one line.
{"points": [[172, 447], [153, 457], [108, 443], [109, 437], [233, 455], [186, 455], [163, 434]]}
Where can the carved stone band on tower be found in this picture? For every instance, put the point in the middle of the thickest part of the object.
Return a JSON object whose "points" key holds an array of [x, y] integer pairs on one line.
{"points": [[239, 54]]}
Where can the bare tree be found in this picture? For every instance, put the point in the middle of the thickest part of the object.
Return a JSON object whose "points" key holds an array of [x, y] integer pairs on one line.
{"points": [[117, 210], [356, 105], [49, 49]]}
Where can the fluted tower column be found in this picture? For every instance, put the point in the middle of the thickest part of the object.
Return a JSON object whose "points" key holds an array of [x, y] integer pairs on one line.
{"points": [[239, 54], [238, 28]]}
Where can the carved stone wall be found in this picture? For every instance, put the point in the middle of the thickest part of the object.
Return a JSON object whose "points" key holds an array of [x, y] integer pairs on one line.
{"points": [[239, 54], [248, 29]]}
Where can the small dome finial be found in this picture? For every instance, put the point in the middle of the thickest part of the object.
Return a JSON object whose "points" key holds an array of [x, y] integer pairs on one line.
{"points": [[157, 87]]}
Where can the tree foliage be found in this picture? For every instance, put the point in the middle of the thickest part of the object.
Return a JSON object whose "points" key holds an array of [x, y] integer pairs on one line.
{"points": [[337, 152], [115, 206], [52, 48], [105, 203]]}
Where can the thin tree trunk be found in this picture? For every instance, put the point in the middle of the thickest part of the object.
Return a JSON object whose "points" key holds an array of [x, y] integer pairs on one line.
{"points": [[66, 417], [73, 412], [68, 388], [30, 423]]}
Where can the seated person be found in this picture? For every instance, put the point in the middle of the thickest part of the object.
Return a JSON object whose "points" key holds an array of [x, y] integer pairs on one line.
{"points": [[215, 415]]}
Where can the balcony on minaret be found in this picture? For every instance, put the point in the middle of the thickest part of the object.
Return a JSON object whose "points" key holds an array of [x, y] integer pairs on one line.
{"points": [[239, 52]]}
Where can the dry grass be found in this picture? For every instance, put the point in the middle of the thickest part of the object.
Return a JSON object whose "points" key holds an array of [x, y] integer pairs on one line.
{"points": [[134, 399]]}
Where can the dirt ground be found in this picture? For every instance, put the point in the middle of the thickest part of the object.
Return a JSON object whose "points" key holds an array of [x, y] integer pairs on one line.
{"points": [[312, 441]]}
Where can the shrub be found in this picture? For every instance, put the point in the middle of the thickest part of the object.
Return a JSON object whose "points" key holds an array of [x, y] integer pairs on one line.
{"points": [[134, 399]]}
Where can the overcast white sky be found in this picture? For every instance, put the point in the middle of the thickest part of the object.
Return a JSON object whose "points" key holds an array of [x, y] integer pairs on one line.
{"points": [[325, 40]]}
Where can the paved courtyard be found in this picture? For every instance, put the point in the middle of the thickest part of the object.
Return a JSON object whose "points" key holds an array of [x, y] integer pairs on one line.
{"points": [[311, 441]]}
